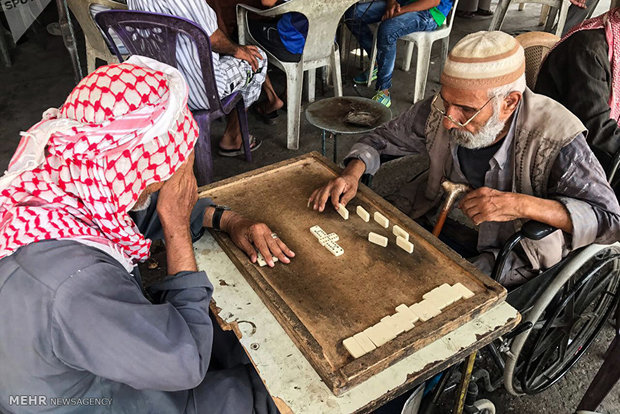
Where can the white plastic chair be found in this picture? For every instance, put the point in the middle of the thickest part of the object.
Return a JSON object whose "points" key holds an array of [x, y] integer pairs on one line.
{"points": [[96, 46], [320, 50], [424, 41], [561, 5]]}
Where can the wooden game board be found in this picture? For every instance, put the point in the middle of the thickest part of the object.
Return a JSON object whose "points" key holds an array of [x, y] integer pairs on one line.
{"points": [[320, 299]]}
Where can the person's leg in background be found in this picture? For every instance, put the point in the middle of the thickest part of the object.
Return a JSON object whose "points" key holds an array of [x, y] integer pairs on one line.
{"points": [[240, 77], [267, 36], [470, 8], [389, 33], [484, 8], [357, 18], [577, 14]]}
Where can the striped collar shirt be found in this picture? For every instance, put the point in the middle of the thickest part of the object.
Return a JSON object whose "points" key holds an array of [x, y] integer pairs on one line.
{"points": [[200, 13]]}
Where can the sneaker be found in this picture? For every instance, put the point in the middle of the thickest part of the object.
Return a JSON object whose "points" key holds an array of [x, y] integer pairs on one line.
{"points": [[382, 98], [362, 78]]}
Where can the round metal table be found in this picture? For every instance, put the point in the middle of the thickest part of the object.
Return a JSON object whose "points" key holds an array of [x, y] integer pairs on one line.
{"points": [[329, 115]]}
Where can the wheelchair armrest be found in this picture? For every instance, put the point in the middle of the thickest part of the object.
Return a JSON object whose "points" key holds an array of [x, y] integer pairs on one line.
{"points": [[535, 230]]}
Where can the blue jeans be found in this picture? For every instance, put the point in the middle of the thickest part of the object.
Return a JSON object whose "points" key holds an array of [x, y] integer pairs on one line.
{"points": [[360, 15]]}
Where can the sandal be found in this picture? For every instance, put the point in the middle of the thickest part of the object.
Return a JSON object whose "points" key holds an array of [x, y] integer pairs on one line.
{"points": [[254, 145]]}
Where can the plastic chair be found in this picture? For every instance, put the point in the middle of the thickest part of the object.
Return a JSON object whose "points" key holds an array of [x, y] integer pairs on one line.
{"points": [[155, 35], [424, 41], [320, 50], [536, 45], [561, 5], [96, 46]]}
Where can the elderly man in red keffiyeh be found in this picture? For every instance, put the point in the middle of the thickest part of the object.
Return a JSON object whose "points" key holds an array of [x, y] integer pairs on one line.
{"points": [[86, 190], [582, 72]]}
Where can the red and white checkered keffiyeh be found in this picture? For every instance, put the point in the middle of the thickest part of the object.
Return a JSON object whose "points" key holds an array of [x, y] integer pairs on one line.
{"points": [[609, 21], [77, 173]]}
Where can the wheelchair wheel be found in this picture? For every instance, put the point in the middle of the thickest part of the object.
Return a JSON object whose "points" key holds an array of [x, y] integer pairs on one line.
{"points": [[566, 319]]}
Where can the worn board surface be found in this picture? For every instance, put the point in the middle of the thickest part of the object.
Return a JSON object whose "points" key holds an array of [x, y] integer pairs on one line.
{"points": [[320, 299]]}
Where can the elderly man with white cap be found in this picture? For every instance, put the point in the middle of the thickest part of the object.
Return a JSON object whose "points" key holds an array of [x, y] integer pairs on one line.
{"points": [[524, 154], [86, 190]]}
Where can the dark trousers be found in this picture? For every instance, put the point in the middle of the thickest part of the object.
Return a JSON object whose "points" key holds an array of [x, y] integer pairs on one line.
{"points": [[265, 32]]}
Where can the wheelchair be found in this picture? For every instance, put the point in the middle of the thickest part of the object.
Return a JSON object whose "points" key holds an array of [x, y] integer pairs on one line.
{"points": [[563, 310]]}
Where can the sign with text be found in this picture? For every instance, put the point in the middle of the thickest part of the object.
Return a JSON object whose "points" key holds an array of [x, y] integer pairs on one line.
{"points": [[21, 13]]}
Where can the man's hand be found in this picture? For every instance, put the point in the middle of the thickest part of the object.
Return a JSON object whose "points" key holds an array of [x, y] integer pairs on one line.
{"points": [[392, 10], [245, 233], [250, 54], [177, 198], [487, 204], [174, 207], [341, 189], [579, 3]]}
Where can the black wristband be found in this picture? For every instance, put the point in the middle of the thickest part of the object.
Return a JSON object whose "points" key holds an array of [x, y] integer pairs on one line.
{"points": [[217, 216]]}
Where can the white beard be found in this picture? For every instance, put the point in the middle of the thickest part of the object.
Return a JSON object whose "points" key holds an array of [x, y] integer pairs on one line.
{"points": [[485, 137], [143, 206]]}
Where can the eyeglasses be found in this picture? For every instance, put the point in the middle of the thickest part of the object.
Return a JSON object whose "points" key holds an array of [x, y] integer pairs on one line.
{"points": [[442, 110]]}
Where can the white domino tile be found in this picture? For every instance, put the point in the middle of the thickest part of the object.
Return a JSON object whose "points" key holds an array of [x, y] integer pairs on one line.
{"points": [[462, 291], [334, 248], [333, 237], [436, 291], [342, 210], [355, 349], [318, 232], [327, 240], [381, 219], [392, 324], [364, 341], [426, 309], [402, 320], [404, 244], [364, 215], [377, 239], [398, 232], [377, 334], [261, 260], [404, 309]]}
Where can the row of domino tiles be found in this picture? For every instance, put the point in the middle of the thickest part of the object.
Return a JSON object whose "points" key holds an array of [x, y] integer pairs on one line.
{"points": [[402, 237], [403, 320]]}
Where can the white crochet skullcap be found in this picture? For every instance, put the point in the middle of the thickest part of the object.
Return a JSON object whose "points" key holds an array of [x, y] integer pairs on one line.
{"points": [[484, 60]]}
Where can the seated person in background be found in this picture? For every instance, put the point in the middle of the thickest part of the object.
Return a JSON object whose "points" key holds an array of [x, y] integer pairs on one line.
{"points": [[77, 209], [582, 73], [524, 154], [226, 11], [237, 68], [398, 18], [227, 22], [285, 38]]}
